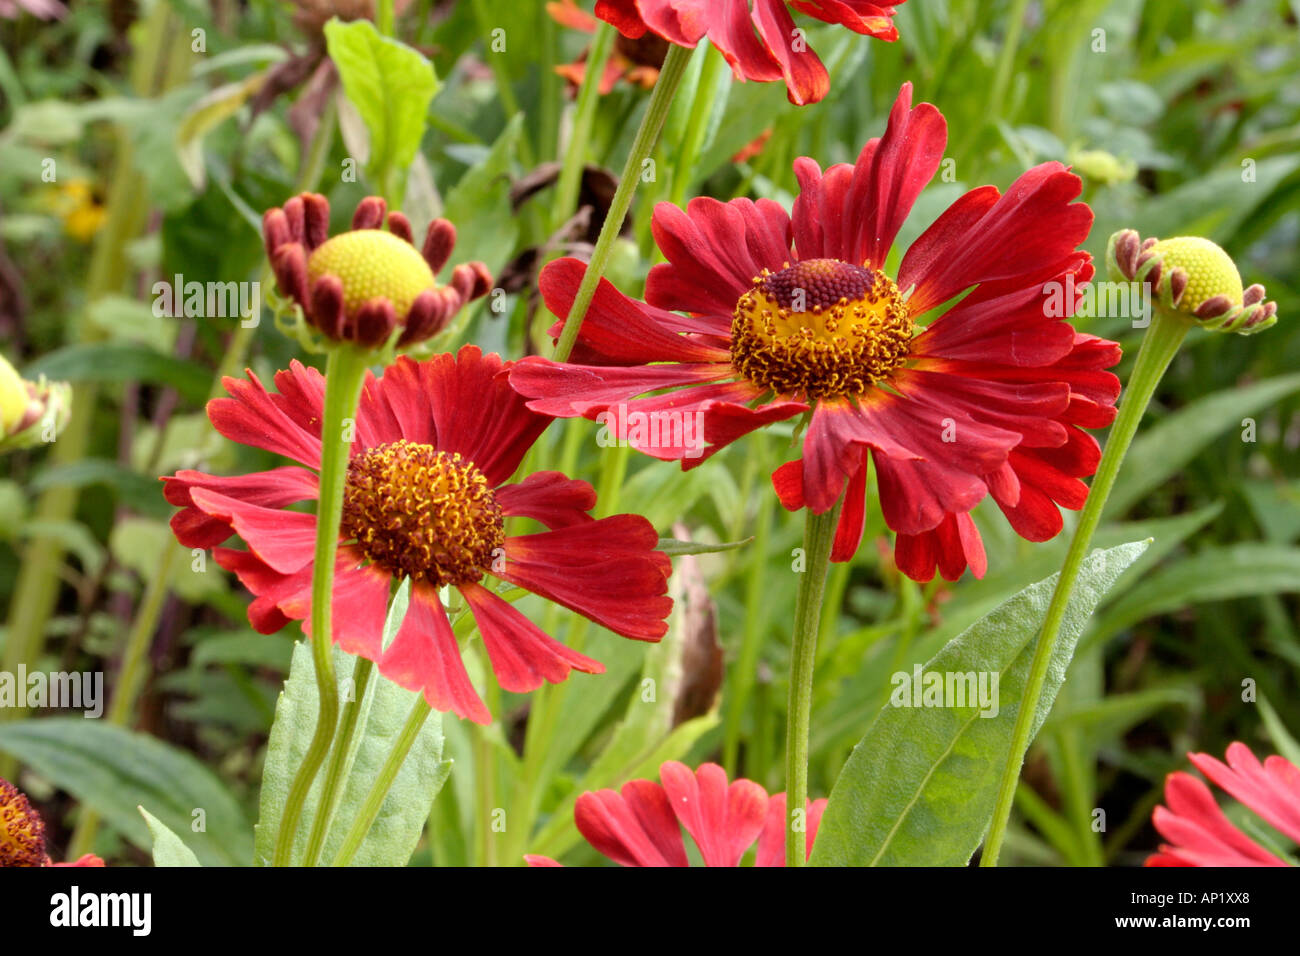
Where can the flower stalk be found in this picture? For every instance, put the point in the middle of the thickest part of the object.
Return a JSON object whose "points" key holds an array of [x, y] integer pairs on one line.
{"points": [[646, 137], [819, 535], [345, 372]]}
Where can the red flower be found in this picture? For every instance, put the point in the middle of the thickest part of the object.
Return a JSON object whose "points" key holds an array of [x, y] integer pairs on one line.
{"points": [[22, 833], [990, 398], [641, 825], [1198, 832], [367, 283], [761, 43], [425, 498]]}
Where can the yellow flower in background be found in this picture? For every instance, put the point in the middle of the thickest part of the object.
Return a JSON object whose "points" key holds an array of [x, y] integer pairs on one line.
{"points": [[82, 213]]}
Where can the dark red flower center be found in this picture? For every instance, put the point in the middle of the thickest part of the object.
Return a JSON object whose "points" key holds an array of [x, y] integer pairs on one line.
{"points": [[22, 832], [423, 513], [821, 328]]}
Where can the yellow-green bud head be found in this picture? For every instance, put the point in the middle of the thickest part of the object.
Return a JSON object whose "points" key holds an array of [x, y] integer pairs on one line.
{"points": [[371, 264], [1210, 271]]}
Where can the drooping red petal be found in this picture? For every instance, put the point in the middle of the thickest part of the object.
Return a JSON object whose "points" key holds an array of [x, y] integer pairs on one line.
{"points": [[622, 14], [425, 657], [950, 548], [771, 844], [632, 828], [1273, 792], [806, 79], [723, 819], [195, 528], [1199, 829], [268, 586], [522, 655], [871, 19], [285, 540], [732, 31], [606, 570], [679, 21], [551, 497]]}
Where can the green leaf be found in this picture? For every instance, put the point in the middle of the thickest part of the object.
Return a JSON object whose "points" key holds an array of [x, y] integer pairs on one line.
{"points": [[673, 546], [919, 788], [1287, 746], [1215, 574], [389, 83], [168, 848], [1166, 447], [114, 771], [124, 363], [396, 831]]}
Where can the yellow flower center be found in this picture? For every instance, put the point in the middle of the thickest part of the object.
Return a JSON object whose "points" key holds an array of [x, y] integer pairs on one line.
{"points": [[22, 833], [1210, 270], [822, 327], [372, 264], [418, 512]]}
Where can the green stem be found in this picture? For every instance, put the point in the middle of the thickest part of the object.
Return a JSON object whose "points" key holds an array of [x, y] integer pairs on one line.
{"points": [[344, 374], [566, 190], [698, 126], [818, 536], [383, 782], [1158, 348], [334, 773], [646, 137]]}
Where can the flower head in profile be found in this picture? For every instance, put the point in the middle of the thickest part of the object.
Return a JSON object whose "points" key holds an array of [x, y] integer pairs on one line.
{"points": [[370, 283], [957, 378], [1193, 276], [31, 412], [759, 40], [642, 824], [427, 497], [1198, 831], [22, 833]]}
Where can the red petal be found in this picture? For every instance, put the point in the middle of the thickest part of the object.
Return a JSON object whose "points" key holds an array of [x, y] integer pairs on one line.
{"points": [[984, 238], [889, 176], [251, 417], [724, 820], [606, 570], [424, 656], [806, 79], [709, 267], [194, 528], [640, 831], [477, 413], [285, 540], [619, 330], [551, 497], [522, 655]]}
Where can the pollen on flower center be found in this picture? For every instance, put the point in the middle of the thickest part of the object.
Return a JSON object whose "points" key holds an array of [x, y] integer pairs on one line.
{"points": [[822, 327], [419, 512], [22, 833], [372, 264]]}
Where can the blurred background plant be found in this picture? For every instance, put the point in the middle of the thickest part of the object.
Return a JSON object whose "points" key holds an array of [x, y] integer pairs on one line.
{"points": [[140, 141]]}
